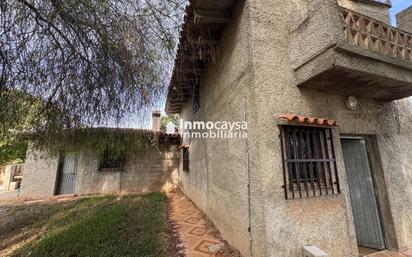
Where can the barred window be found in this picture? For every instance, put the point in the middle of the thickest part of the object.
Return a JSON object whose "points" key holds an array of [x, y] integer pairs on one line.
{"points": [[186, 159], [309, 163], [110, 160]]}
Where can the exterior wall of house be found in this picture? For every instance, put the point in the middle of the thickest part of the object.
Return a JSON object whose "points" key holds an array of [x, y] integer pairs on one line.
{"points": [[7, 177], [217, 180], [40, 174], [317, 221], [2, 177], [255, 64], [145, 171], [404, 20]]}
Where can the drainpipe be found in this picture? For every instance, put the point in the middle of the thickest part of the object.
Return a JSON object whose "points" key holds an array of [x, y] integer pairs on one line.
{"points": [[248, 182]]}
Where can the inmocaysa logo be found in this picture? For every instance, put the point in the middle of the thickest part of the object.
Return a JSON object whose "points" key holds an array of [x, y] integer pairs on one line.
{"points": [[214, 129]]}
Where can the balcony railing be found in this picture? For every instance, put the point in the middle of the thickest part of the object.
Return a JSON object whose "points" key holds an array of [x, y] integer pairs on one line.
{"points": [[376, 36]]}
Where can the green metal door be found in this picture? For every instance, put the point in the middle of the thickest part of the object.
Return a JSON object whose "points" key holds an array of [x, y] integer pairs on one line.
{"points": [[363, 197], [67, 174]]}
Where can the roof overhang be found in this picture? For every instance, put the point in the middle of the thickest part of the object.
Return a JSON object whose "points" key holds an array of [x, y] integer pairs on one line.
{"points": [[203, 24]]}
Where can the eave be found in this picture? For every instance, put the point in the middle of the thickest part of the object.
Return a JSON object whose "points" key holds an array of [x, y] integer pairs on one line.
{"points": [[200, 35]]}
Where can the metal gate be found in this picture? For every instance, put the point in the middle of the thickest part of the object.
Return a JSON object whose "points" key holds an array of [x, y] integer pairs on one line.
{"points": [[363, 196], [67, 174]]}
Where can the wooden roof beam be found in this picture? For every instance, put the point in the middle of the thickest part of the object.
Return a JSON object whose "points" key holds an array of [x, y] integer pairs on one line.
{"points": [[180, 102], [211, 16]]}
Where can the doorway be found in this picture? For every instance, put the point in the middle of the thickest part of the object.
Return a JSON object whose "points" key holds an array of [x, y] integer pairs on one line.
{"points": [[67, 174], [363, 194]]}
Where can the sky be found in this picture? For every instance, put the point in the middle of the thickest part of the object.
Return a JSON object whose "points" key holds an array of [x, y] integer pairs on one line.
{"points": [[397, 6]]}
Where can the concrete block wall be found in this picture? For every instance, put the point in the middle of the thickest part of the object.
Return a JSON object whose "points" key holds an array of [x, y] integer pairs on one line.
{"points": [[145, 171], [152, 169], [40, 174]]}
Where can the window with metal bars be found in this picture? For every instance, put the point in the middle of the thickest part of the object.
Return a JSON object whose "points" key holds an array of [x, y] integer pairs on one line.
{"points": [[110, 160], [186, 159], [309, 163]]}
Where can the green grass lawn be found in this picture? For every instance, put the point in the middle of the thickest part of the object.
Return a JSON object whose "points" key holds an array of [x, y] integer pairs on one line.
{"points": [[92, 227]]}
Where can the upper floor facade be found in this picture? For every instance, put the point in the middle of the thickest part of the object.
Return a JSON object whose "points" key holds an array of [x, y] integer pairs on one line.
{"points": [[346, 47], [351, 49]]}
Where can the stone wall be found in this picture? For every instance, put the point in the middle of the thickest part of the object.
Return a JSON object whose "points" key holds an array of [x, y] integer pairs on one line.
{"points": [[254, 74], [152, 169]]}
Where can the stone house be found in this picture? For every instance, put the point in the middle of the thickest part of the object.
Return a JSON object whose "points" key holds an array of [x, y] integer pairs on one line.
{"points": [[322, 85], [87, 172]]}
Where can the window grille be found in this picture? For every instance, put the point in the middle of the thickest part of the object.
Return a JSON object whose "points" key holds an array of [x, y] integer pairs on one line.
{"points": [[309, 163], [110, 161]]}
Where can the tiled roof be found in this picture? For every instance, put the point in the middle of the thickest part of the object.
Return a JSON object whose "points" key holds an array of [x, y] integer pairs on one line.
{"points": [[309, 120]]}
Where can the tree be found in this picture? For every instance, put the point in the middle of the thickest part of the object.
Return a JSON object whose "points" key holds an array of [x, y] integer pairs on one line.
{"points": [[12, 151], [173, 118], [18, 115], [88, 61]]}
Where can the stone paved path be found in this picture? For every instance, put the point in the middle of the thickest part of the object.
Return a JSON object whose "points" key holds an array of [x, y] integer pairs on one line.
{"points": [[198, 238]]}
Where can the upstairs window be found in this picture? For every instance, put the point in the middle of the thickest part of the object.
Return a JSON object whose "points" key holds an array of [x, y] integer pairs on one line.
{"points": [[186, 159], [309, 163], [111, 160]]}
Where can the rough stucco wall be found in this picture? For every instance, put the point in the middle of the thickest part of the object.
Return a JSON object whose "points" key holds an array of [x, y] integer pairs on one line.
{"points": [[282, 227], [404, 20], [395, 147], [217, 179], [308, 25], [146, 171], [40, 173], [378, 11]]}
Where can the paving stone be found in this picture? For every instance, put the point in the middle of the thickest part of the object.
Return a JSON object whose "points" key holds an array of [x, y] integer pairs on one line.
{"points": [[193, 230], [407, 253]]}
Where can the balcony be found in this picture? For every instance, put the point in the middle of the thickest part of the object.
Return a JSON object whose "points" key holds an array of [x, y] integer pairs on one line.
{"points": [[349, 53]]}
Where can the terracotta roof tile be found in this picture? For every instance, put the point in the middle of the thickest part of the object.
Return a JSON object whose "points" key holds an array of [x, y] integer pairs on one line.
{"points": [[184, 146], [309, 120]]}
